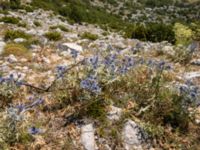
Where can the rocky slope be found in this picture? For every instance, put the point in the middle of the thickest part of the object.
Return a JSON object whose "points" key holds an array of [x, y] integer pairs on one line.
{"points": [[43, 95]]}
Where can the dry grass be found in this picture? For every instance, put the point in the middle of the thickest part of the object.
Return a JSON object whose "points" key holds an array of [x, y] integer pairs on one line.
{"points": [[17, 50]]}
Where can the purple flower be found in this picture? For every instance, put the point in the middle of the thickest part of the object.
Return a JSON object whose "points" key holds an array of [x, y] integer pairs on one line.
{"points": [[60, 71], [20, 107], [90, 84], [94, 61]]}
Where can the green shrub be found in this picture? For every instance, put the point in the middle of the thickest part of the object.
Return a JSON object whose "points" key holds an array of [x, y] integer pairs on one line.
{"points": [[12, 34], [15, 4], [12, 4], [90, 36], [27, 8], [11, 20], [183, 34], [152, 32], [53, 36]]}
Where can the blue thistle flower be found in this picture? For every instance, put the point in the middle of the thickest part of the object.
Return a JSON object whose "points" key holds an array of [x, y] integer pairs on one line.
{"points": [[90, 84]]}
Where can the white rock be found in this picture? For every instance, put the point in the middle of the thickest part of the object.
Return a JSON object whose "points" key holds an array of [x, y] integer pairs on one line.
{"points": [[19, 40], [2, 45], [114, 113], [87, 137], [192, 75], [23, 60], [132, 136], [11, 58], [71, 46]]}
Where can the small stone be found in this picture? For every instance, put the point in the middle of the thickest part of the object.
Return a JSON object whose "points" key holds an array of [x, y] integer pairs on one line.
{"points": [[11, 59], [114, 113], [19, 40], [23, 60], [70, 46]]}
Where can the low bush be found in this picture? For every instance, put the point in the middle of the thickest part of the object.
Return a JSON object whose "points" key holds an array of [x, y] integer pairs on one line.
{"points": [[13, 34], [53, 36], [152, 32], [61, 27], [12, 4], [90, 36], [183, 34], [11, 20]]}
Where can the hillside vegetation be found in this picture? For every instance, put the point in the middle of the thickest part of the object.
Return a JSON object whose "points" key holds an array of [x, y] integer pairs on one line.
{"points": [[99, 75]]}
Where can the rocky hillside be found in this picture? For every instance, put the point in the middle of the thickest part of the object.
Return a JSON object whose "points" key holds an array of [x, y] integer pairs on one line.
{"points": [[67, 82], [152, 11]]}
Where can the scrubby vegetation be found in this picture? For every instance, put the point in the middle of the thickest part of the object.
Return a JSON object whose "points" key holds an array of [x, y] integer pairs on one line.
{"points": [[61, 27], [89, 36], [12, 34], [49, 90], [16, 49], [11, 20], [53, 36]]}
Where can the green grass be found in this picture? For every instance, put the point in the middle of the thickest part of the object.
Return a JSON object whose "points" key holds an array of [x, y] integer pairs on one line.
{"points": [[17, 50], [11, 20], [90, 36], [53, 36], [13, 34], [61, 27]]}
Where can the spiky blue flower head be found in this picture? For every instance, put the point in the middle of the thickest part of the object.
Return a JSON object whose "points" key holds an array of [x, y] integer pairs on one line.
{"points": [[110, 59], [90, 84], [161, 65], [94, 61], [60, 69]]}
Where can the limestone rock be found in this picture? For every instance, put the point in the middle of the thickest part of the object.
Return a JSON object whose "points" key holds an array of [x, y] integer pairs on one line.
{"points": [[133, 136], [87, 137], [70, 46]]}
